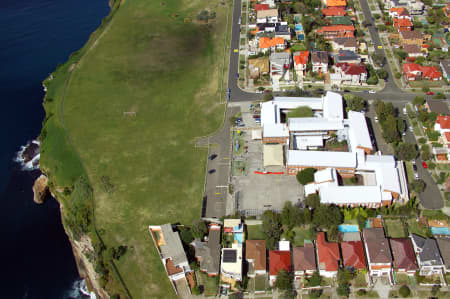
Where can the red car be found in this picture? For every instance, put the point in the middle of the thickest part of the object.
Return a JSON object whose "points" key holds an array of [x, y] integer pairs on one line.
{"points": [[430, 93], [424, 164]]}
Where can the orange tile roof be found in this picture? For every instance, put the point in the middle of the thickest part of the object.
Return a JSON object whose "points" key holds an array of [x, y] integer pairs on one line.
{"points": [[399, 10], [302, 58], [331, 3], [431, 72], [353, 254], [447, 136], [267, 42], [402, 23], [443, 121], [334, 11], [328, 253]]}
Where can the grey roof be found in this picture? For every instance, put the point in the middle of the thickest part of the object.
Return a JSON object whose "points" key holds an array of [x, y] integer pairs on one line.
{"points": [[445, 64], [414, 34], [319, 57], [345, 56], [209, 252], [346, 41], [438, 106], [428, 252], [444, 248], [280, 58], [172, 248], [229, 255], [377, 245], [281, 29], [354, 236]]}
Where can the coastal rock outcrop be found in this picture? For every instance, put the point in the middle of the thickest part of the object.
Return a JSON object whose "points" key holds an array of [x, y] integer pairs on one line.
{"points": [[31, 151], [40, 189]]}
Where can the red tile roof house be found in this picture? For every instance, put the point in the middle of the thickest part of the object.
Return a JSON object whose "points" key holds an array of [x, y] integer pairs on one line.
{"points": [[261, 7], [353, 254], [278, 260], [403, 255], [349, 73], [399, 12], [301, 59], [256, 257], [328, 256], [414, 71], [403, 25], [334, 12], [378, 253], [333, 31], [304, 259]]}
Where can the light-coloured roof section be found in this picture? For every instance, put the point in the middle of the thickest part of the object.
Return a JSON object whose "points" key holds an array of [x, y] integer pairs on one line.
{"points": [[314, 124], [321, 159], [325, 175], [275, 130], [388, 178], [273, 155], [332, 106], [373, 161], [348, 195], [303, 142], [284, 246], [172, 248], [267, 13], [358, 133], [294, 102], [256, 134], [231, 222]]}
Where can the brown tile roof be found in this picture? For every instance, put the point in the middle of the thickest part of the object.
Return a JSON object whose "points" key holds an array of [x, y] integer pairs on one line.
{"points": [[171, 268], [304, 258], [411, 49], [256, 250], [411, 34], [377, 245], [403, 253]]}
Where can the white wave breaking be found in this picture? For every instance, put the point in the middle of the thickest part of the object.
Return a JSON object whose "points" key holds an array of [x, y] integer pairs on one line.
{"points": [[32, 164]]}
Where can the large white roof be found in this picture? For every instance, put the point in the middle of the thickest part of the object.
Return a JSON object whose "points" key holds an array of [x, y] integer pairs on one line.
{"points": [[273, 155], [358, 132], [373, 161], [348, 195], [325, 175], [388, 179], [321, 159], [314, 124], [275, 130], [305, 141], [332, 106], [270, 111]]}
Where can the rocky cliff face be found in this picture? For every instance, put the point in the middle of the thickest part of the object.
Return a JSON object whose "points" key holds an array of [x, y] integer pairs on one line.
{"points": [[40, 189]]}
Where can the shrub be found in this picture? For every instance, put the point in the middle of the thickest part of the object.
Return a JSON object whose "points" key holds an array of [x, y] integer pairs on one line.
{"points": [[422, 140], [404, 291], [306, 176]]}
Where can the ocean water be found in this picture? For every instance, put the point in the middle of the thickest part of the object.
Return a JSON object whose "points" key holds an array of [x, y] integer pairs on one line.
{"points": [[35, 35]]}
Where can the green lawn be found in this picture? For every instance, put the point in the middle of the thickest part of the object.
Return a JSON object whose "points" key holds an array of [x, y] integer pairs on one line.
{"points": [[394, 228], [425, 83], [302, 234], [210, 284], [133, 107], [416, 228], [360, 280], [409, 171], [255, 232], [260, 282]]}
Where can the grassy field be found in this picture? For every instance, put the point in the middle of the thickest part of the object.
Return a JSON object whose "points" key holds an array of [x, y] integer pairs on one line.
{"points": [[394, 228], [255, 232], [133, 106], [416, 228], [302, 234]]}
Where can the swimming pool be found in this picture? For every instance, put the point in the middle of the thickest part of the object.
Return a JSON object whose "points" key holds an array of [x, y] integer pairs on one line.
{"points": [[440, 230], [348, 228]]}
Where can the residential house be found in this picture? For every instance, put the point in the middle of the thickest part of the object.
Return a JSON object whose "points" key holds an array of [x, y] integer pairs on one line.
{"points": [[414, 71], [344, 43], [304, 259], [402, 25], [444, 249], [280, 64], [319, 60], [258, 67], [301, 59], [172, 255], [333, 31], [259, 7], [445, 66], [442, 126], [278, 260], [299, 32], [282, 30], [415, 7], [255, 254], [346, 73], [428, 255], [272, 44], [411, 38], [333, 12], [271, 3], [413, 51], [399, 13], [335, 3], [267, 16], [404, 258], [265, 28], [353, 255], [378, 252], [440, 107], [328, 257], [346, 56], [231, 266], [208, 253]]}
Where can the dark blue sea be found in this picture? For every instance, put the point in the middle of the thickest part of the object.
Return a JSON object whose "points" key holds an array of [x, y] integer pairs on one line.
{"points": [[35, 35]]}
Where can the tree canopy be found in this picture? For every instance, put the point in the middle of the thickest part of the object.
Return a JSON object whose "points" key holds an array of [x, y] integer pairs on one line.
{"points": [[284, 280], [406, 151], [327, 216], [306, 176], [272, 228]]}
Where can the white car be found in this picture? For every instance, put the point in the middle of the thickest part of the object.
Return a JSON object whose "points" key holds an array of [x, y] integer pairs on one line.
{"points": [[376, 119], [411, 129], [416, 175], [372, 91]]}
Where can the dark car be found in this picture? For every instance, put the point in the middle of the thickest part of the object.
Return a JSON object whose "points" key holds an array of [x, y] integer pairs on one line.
{"points": [[211, 171], [237, 75], [346, 90], [212, 157]]}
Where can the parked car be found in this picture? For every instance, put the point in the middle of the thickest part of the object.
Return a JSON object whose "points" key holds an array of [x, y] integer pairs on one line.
{"points": [[404, 111], [346, 90], [365, 91], [372, 91], [241, 125], [430, 93], [376, 119], [424, 164], [416, 175], [211, 171], [237, 75], [411, 129], [212, 157]]}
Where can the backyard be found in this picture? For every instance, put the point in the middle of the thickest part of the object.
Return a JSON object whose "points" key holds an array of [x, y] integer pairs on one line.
{"points": [[301, 234], [255, 232], [394, 228], [414, 227], [134, 104]]}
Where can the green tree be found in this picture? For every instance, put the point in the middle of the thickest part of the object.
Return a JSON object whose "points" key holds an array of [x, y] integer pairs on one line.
{"points": [[354, 103], [401, 125], [284, 280], [312, 201], [186, 235], [199, 229], [373, 80], [425, 152], [315, 279], [315, 294], [390, 131], [417, 185], [343, 289], [326, 216], [289, 214], [79, 216], [268, 97], [382, 74], [406, 151], [404, 291], [302, 111], [272, 228], [419, 100], [306, 176]]}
